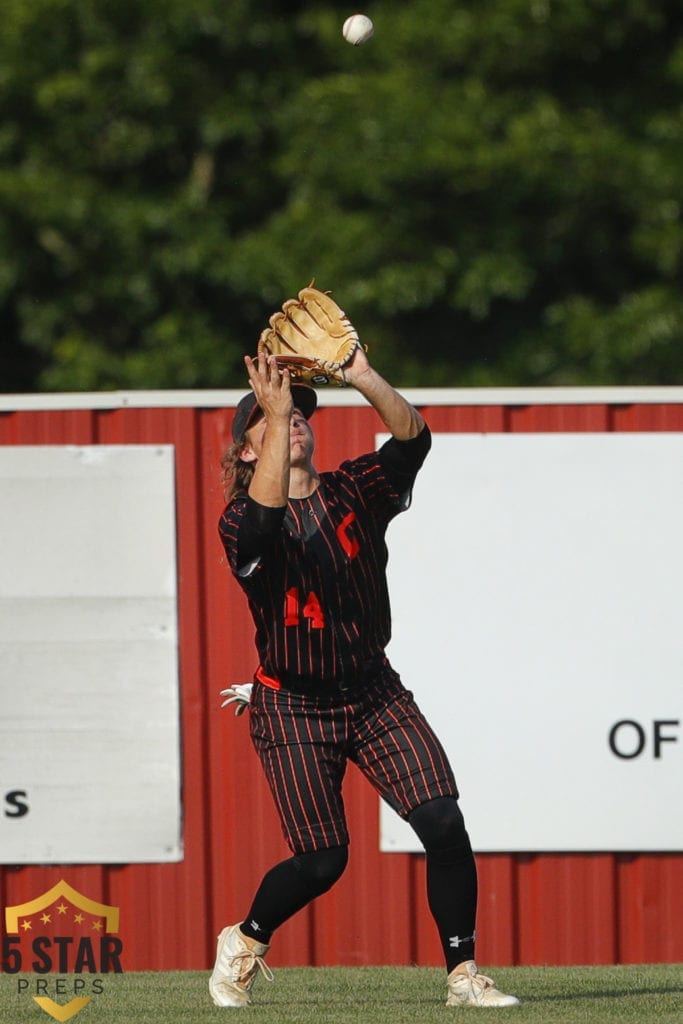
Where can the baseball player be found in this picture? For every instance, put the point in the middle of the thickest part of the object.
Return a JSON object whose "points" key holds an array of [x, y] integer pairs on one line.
{"points": [[308, 550]]}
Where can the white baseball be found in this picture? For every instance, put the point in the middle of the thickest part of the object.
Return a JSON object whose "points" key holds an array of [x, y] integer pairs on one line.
{"points": [[358, 29]]}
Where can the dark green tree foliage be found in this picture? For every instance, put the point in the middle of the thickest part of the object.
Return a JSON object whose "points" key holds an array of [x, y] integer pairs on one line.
{"points": [[492, 189]]}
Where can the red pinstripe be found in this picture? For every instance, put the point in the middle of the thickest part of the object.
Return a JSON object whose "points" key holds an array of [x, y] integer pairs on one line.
{"points": [[330, 810]]}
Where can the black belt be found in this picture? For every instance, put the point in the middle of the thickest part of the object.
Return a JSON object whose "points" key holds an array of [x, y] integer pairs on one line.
{"points": [[356, 679]]}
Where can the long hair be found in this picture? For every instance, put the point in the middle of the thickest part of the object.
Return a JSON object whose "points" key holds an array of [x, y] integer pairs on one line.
{"points": [[235, 474]]}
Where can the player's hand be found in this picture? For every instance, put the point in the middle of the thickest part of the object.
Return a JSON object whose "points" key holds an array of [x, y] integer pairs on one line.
{"points": [[239, 694], [358, 365], [271, 387]]}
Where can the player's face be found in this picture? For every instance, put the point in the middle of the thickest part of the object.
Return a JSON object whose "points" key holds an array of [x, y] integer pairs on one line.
{"points": [[300, 438]]}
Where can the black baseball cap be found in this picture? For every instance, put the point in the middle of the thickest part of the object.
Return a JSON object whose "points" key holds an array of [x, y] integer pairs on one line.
{"points": [[305, 399]]}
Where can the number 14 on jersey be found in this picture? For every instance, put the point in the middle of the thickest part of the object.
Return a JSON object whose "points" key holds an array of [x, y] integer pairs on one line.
{"points": [[311, 609]]}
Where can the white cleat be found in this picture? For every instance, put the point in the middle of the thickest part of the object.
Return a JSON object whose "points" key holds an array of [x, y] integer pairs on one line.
{"points": [[467, 987], [238, 961]]}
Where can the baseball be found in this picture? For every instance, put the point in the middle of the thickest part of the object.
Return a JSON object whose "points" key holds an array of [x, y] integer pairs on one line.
{"points": [[358, 29]]}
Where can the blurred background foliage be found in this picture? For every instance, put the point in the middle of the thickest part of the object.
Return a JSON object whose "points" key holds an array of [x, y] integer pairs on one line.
{"points": [[491, 188]]}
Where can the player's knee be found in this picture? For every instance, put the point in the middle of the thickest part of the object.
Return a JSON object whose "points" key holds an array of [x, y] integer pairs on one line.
{"points": [[439, 825], [322, 868]]}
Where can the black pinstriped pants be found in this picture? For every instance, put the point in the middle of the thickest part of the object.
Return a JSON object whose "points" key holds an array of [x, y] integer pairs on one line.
{"points": [[304, 743]]}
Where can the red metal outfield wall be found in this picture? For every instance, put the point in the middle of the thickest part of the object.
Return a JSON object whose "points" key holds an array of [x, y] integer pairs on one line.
{"points": [[534, 908]]}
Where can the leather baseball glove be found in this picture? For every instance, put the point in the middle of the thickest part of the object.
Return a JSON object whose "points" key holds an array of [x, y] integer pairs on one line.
{"points": [[312, 337]]}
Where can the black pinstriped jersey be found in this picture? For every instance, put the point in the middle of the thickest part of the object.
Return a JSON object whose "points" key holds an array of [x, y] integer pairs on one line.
{"points": [[315, 572]]}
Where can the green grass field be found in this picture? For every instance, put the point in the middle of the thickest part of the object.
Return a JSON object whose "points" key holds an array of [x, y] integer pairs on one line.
{"points": [[367, 995]]}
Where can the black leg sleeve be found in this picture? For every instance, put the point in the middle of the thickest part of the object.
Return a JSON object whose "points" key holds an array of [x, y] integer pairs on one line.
{"points": [[451, 876], [289, 886]]}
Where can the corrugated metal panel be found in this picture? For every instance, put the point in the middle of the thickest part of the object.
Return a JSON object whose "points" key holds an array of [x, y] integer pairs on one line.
{"points": [[541, 908]]}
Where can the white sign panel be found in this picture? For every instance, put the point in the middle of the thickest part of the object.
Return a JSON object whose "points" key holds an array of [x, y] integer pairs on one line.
{"points": [[89, 715], [536, 591]]}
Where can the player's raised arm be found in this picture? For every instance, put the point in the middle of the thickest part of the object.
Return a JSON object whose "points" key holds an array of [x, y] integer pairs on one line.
{"points": [[401, 419], [268, 444]]}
